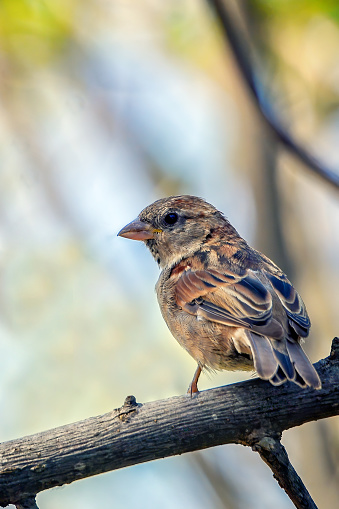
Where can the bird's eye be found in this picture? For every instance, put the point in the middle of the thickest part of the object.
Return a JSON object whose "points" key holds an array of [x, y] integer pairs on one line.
{"points": [[171, 218]]}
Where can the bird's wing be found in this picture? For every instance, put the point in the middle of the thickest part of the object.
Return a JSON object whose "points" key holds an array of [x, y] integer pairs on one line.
{"points": [[238, 300], [295, 309], [273, 316]]}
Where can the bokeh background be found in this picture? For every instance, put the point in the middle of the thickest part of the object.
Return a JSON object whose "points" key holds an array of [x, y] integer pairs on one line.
{"points": [[107, 105]]}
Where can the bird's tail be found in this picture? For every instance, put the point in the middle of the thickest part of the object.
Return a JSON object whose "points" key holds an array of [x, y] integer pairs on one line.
{"points": [[279, 361]]}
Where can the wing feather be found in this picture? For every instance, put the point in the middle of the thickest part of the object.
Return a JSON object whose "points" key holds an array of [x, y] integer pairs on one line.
{"points": [[235, 300], [243, 300], [292, 302]]}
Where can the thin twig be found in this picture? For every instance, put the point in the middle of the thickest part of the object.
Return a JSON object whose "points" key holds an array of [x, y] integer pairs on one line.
{"points": [[241, 52]]}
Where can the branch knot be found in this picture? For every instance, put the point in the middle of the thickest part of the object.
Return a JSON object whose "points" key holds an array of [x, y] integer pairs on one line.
{"points": [[129, 407], [334, 355]]}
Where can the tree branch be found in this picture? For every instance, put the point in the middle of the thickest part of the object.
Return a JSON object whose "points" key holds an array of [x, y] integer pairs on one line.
{"points": [[241, 413], [242, 51], [274, 454], [27, 503]]}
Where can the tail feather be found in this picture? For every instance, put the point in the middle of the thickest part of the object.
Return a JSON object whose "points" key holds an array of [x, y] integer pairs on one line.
{"points": [[263, 358], [278, 378], [287, 363], [302, 365], [300, 381]]}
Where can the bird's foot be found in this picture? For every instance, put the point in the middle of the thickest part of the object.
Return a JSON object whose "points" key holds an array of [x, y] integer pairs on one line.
{"points": [[193, 389]]}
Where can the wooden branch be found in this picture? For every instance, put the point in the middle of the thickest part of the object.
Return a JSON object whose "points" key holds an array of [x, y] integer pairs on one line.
{"points": [[28, 503], [242, 51], [273, 453], [242, 413]]}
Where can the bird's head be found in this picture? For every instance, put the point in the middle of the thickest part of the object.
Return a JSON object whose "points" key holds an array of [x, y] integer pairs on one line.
{"points": [[176, 227]]}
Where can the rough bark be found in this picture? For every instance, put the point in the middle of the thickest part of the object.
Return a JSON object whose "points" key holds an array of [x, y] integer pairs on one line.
{"points": [[248, 413], [274, 454]]}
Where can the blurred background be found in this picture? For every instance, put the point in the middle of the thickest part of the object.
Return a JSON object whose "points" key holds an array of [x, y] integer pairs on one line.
{"points": [[107, 105]]}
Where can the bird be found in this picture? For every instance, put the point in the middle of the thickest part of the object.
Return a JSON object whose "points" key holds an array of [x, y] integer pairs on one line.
{"points": [[226, 303]]}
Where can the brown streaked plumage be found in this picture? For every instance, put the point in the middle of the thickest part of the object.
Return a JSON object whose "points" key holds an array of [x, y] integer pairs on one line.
{"points": [[227, 304]]}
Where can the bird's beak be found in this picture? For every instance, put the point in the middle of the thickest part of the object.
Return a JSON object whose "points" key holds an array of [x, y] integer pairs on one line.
{"points": [[137, 230]]}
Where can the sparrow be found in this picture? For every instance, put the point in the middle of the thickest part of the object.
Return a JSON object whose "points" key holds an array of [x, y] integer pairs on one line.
{"points": [[226, 303]]}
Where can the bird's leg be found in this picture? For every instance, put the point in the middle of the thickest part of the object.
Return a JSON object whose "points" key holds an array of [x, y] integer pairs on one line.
{"points": [[193, 387]]}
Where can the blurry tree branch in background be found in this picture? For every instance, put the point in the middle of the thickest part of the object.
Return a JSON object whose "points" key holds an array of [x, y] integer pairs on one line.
{"points": [[252, 413], [236, 38]]}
